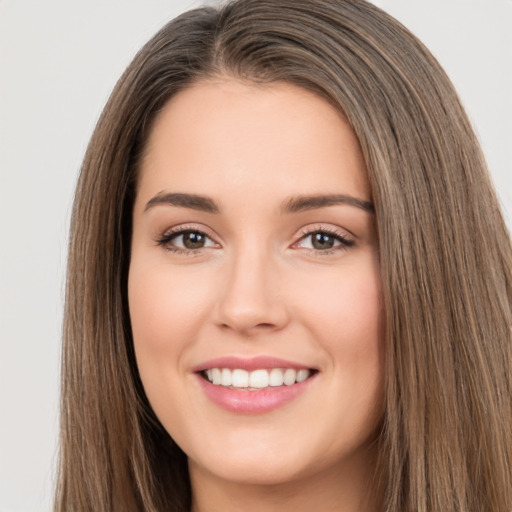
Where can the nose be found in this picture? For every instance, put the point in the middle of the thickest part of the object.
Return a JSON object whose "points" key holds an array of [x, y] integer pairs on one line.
{"points": [[251, 301]]}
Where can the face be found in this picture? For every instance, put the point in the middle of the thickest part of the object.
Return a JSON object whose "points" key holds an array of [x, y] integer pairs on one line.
{"points": [[254, 286]]}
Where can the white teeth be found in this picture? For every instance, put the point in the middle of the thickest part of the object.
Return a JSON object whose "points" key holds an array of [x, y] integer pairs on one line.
{"points": [[225, 377], [289, 376], [257, 379], [302, 375], [276, 377], [216, 376], [240, 379]]}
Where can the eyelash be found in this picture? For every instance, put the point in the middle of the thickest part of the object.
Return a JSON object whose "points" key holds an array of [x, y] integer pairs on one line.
{"points": [[166, 239], [344, 242]]}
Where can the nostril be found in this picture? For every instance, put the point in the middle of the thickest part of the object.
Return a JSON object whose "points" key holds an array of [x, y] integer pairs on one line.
{"points": [[262, 326], [249, 329]]}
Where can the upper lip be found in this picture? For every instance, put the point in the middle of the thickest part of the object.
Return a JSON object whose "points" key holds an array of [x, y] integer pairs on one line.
{"points": [[249, 364]]}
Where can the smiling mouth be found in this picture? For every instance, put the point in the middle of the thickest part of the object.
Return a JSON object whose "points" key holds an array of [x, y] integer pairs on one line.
{"points": [[240, 379]]}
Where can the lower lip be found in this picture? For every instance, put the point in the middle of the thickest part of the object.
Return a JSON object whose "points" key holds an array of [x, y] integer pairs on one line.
{"points": [[253, 402]]}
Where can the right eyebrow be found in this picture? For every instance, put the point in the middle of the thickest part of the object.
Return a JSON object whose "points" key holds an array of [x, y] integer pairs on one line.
{"points": [[192, 201]]}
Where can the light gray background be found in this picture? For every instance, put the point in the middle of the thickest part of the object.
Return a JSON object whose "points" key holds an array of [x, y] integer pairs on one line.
{"points": [[58, 62]]}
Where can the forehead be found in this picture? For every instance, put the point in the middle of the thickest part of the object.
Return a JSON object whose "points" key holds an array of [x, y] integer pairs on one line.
{"points": [[225, 136]]}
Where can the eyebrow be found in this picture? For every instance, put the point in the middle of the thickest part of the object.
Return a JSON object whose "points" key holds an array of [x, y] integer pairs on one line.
{"points": [[304, 203], [192, 201], [293, 205]]}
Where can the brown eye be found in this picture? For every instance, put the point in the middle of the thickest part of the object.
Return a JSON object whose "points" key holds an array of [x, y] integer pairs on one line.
{"points": [[322, 241], [193, 240], [186, 240], [325, 241]]}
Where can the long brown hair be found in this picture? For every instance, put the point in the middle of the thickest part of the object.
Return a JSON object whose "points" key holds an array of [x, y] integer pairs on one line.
{"points": [[445, 256]]}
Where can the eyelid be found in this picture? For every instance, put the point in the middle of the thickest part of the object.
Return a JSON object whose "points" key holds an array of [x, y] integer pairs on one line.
{"points": [[193, 226], [328, 228]]}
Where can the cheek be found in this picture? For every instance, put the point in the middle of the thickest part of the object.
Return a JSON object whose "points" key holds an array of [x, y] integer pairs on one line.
{"points": [[166, 314], [165, 307], [345, 315], [346, 306]]}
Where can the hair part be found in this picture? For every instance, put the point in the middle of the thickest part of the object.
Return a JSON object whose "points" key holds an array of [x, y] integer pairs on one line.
{"points": [[445, 256]]}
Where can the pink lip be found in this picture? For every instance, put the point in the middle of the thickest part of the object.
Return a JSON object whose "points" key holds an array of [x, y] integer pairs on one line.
{"points": [[253, 402], [250, 364], [243, 401]]}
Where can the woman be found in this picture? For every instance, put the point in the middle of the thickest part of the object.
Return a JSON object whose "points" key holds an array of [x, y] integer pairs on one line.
{"points": [[289, 281]]}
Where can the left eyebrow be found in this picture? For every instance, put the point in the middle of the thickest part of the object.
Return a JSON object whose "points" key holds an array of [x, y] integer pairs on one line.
{"points": [[304, 203]]}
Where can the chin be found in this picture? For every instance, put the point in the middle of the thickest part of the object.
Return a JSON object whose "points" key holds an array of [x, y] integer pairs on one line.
{"points": [[265, 471]]}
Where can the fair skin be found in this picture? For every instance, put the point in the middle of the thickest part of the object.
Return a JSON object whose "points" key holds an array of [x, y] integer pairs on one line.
{"points": [[259, 267]]}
